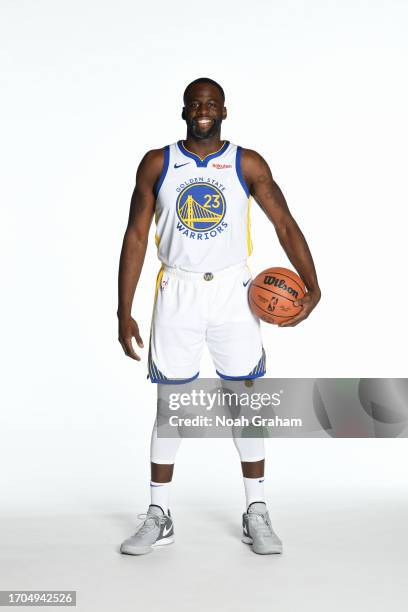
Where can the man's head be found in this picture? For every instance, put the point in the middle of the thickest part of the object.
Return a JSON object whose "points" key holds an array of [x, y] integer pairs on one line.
{"points": [[204, 108]]}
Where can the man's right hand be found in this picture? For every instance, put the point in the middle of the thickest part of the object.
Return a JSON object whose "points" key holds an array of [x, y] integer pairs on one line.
{"points": [[128, 329]]}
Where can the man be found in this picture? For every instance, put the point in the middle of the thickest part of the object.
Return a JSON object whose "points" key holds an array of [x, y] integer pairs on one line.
{"points": [[199, 191]]}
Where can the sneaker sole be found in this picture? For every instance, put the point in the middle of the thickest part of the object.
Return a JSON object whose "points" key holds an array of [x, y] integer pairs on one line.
{"points": [[144, 550], [275, 550]]}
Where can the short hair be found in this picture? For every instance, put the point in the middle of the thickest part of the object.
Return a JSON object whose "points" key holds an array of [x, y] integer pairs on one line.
{"points": [[204, 80]]}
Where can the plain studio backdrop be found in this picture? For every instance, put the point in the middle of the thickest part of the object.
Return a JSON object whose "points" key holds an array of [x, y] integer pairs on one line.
{"points": [[320, 90]]}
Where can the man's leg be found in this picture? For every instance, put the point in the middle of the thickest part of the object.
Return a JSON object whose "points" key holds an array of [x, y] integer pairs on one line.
{"points": [[157, 527], [162, 457], [252, 455], [257, 528]]}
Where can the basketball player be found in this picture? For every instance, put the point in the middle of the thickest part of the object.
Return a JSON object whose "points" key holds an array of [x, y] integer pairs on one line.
{"points": [[199, 191]]}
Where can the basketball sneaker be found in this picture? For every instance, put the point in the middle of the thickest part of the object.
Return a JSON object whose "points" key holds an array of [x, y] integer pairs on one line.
{"points": [[258, 530], [156, 530]]}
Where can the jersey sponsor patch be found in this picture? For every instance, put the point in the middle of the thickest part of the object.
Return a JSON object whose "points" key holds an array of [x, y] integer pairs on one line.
{"points": [[221, 166]]}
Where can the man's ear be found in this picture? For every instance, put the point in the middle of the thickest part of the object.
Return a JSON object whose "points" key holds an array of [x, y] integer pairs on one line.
{"points": [[183, 114], [224, 113]]}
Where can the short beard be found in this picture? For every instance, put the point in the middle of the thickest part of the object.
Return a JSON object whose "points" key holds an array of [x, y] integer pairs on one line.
{"points": [[193, 129]]}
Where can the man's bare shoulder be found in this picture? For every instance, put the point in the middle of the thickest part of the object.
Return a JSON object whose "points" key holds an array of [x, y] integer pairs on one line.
{"points": [[254, 166], [153, 158], [251, 158], [151, 165]]}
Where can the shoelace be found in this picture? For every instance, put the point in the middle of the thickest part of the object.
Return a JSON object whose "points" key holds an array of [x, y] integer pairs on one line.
{"points": [[265, 525], [147, 525]]}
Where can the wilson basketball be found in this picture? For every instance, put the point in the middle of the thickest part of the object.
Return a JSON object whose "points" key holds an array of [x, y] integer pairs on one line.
{"points": [[272, 293]]}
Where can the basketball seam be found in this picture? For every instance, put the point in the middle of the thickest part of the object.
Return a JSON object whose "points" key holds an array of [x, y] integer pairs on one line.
{"points": [[271, 315], [292, 279], [274, 292]]}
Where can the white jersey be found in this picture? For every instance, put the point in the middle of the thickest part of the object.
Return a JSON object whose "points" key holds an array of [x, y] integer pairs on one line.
{"points": [[202, 209]]}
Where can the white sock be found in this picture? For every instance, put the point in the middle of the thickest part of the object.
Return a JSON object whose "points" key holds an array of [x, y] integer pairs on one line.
{"points": [[159, 495], [254, 490]]}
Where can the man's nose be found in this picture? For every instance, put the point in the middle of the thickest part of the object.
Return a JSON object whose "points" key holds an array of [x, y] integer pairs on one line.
{"points": [[202, 110]]}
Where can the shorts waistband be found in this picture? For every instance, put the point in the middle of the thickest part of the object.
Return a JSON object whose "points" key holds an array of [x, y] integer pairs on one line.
{"points": [[204, 276]]}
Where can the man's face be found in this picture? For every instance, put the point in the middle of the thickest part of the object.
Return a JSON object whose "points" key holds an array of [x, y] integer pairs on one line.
{"points": [[204, 110]]}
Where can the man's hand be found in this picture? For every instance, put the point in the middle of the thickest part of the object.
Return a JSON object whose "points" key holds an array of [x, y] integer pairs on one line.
{"points": [[128, 329], [308, 302]]}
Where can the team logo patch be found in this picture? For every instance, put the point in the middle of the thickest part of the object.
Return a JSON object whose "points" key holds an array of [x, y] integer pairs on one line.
{"points": [[201, 208]]}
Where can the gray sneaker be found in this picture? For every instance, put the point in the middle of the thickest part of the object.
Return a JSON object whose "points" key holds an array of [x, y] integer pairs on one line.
{"points": [[156, 530], [258, 530]]}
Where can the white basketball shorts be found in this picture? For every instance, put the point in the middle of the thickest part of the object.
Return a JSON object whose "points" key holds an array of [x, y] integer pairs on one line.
{"points": [[193, 308]]}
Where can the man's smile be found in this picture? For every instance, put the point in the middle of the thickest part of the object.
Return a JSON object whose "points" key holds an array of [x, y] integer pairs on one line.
{"points": [[204, 122]]}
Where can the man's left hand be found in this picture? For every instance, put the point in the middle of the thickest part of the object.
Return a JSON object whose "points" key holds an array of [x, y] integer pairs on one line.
{"points": [[308, 302]]}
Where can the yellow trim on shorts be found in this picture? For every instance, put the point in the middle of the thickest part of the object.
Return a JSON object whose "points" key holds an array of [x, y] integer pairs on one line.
{"points": [[158, 280], [249, 241], [156, 291]]}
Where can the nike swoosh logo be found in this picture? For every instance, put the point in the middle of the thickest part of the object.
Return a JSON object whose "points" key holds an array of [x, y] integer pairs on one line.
{"points": [[179, 165], [245, 284], [166, 531]]}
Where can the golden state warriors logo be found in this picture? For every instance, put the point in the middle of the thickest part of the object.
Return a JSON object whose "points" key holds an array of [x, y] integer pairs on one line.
{"points": [[201, 208]]}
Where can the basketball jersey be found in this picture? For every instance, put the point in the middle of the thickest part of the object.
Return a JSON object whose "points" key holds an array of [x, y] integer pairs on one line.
{"points": [[202, 209]]}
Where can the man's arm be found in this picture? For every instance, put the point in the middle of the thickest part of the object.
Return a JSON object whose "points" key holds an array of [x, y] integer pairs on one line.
{"points": [[270, 198], [134, 246]]}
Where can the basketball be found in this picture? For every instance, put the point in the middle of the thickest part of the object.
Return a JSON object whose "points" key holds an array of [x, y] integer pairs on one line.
{"points": [[272, 293]]}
